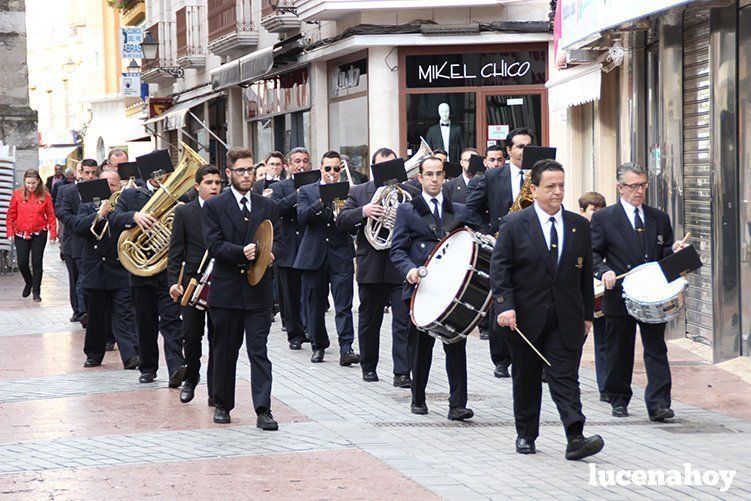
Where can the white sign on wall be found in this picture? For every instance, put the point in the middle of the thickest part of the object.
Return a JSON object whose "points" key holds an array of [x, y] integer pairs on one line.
{"points": [[497, 132], [130, 41], [131, 85]]}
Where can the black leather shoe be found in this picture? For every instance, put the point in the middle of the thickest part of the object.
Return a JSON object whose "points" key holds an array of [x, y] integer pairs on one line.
{"points": [[580, 447], [75, 318], [187, 392], [349, 358], [484, 334], [221, 416], [419, 409], [211, 402], [37, 298], [295, 344], [620, 411], [26, 290], [501, 371], [370, 376], [524, 446], [132, 363], [604, 397], [265, 421], [84, 320], [661, 415], [317, 356], [402, 381], [147, 377], [91, 362], [460, 414], [177, 377], [109, 347]]}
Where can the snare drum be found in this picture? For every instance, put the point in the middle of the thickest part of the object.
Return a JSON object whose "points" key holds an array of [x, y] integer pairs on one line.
{"points": [[650, 298], [455, 295]]}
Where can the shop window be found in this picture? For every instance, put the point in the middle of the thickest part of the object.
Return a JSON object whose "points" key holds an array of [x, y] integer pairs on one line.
{"points": [[445, 121]]}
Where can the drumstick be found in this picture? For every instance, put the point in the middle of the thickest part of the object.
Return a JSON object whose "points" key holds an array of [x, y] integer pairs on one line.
{"points": [[686, 237], [180, 276], [203, 261], [532, 346]]}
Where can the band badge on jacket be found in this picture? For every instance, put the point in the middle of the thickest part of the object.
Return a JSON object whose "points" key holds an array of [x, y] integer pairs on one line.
{"points": [[579, 262], [660, 240]]}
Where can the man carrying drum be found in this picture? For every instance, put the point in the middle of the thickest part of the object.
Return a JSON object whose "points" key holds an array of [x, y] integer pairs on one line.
{"points": [[625, 235]]}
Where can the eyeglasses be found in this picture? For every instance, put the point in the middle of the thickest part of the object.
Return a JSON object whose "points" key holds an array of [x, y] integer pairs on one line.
{"points": [[635, 186], [431, 173], [241, 171], [329, 168]]}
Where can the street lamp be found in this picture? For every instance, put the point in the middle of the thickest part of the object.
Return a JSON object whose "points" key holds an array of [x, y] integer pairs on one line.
{"points": [[69, 65], [149, 46], [133, 67]]}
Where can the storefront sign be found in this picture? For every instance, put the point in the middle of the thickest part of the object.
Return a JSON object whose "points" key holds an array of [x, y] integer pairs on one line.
{"points": [[479, 69], [348, 79], [497, 132], [158, 105], [131, 84], [285, 93], [583, 20], [130, 40]]}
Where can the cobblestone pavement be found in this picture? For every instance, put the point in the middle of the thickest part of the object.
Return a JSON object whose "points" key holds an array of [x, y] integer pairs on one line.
{"points": [[69, 433]]}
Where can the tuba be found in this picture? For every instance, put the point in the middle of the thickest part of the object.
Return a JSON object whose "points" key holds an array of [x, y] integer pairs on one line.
{"points": [[412, 166], [145, 253]]}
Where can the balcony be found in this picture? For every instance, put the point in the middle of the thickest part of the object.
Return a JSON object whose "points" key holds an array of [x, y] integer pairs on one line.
{"points": [[133, 13], [231, 28], [330, 10], [279, 16], [191, 49], [162, 69]]}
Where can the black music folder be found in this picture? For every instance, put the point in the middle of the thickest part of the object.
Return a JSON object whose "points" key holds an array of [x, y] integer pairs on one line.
{"points": [[334, 191], [388, 172], [268, 182], [309, 177], [97, 189], [676, 264], [533, 154], [128, 170], [476, 165], [452, 169], [155, 161]]}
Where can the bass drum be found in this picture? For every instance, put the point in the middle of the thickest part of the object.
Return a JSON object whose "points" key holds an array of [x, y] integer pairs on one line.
{"points": [[455, 294]]}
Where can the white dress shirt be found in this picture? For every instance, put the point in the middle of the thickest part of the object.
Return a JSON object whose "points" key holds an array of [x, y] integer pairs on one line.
{"points": [[445, 133], [429, 201], [630, 213], [466, 179], [515, 175], [201, 201], [239, 196], [544, 218]]}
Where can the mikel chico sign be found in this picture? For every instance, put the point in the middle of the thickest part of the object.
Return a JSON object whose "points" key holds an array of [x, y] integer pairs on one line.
{"points": [[479, 69]]}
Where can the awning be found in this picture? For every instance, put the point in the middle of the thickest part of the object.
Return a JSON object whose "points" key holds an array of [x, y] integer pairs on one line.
{"points": [[246, 69], [179, 110], [574, 86]]}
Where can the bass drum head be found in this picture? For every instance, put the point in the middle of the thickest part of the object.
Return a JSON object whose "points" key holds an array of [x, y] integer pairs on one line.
{"points": [[447, 272]]}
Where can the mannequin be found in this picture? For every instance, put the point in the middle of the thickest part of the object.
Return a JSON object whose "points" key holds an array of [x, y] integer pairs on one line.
{"points": [[445, 135]]}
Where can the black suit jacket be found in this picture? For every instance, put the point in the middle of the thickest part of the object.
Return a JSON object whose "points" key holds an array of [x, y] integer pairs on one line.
{"points": [[456, 190], [434, 138], [489, 198], [523, 277], [321, 237], [66, 209], [416, 234], [186, 243], [225, 236], [101, 267], [373, 266], [616, 247], [56, 189], [285, 195]]}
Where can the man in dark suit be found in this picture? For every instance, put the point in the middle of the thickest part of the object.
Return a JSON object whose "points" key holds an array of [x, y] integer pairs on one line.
{"points": [[420, 225], [55, 178], [326, 257], [624, 236], [489, 199], [239, 310], [68, 178], [66, 209], [541, 279], [187, 247], [378, 282], [445, 135], [155, 310], [456, 189], [274, 164], [285, 195], [105, 281]]}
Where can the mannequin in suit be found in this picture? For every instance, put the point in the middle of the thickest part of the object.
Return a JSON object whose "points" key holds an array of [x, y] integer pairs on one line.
{"points": [[444, 135]]}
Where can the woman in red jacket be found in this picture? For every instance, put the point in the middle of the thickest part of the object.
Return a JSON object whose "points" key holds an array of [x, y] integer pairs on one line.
{"points": [[30, 215]]}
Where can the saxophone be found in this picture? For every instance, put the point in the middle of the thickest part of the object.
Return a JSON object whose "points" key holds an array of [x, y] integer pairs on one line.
{"points": [[524, 199], [145, 253]]}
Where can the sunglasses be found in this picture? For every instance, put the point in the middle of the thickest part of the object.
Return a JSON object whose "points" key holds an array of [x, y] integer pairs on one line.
{"points": [[329, 168]]}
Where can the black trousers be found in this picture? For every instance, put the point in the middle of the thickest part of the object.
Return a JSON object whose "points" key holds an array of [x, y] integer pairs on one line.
{"points": [[123, 326], [75, 293], [421, 354], [194, 324], [600, 333], [500, 354], [230, 327], [373, 299], [619, 365], [563, 381], [31, 250], [79, 285], [290, 281], [155, 313], [315, 293]]}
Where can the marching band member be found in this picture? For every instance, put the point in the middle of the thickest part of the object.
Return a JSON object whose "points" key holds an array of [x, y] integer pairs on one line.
{"points": [[378, 281], [105, 281], [420, 225], [624, 236], [541, 279], [238, 309], [186, 246], [456, 189], [326, 258]]}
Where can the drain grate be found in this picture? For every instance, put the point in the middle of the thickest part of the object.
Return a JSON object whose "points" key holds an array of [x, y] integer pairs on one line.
{"points": [[677, 427], [698, 428], [440, 397]]}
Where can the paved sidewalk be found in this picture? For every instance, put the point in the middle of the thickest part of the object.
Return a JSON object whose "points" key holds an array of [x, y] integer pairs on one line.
{"points": [[70, 433]]}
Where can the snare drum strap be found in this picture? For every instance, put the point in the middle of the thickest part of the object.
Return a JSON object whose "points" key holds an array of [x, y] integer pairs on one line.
{"points": [[447, 219]]}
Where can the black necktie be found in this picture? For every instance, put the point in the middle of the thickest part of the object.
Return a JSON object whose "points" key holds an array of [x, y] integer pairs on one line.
{"points": [[245, 211], [436, 214], [521, 179], [639, 227], [553, 242]]}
